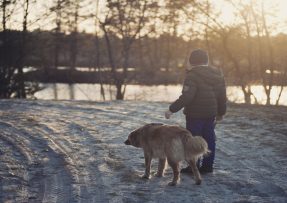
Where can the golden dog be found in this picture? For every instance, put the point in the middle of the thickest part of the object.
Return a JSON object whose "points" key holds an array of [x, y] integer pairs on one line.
{"points": [[171, 143]]}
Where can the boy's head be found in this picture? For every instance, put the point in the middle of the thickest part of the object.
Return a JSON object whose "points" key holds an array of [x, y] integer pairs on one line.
{"points": [[198, 57]]}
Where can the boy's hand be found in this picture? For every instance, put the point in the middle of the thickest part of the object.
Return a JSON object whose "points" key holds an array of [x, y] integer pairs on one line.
{"points": [[168, 114]]}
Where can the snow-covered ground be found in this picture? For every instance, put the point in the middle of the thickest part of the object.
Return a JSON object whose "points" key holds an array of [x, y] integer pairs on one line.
{"points": [[73, 151]]}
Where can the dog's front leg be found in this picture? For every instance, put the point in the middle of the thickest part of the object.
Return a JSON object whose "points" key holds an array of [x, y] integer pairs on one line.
{"points": [[161, 167], [147, 158]]}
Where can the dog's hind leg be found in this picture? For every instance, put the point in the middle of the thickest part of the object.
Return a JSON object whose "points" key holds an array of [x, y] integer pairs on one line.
{"points": [[195, 171], [161, 167], [175, 168], [147, 158]]}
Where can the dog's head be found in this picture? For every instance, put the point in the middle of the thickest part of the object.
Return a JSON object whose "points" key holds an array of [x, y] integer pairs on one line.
{"points": [[134, 138]]}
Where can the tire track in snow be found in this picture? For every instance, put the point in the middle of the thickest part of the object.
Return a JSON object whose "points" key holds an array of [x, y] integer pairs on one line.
{"points": [[19, 144], [57, 182], [45, 178], [75, 147], [68, 163], [16, 174]]}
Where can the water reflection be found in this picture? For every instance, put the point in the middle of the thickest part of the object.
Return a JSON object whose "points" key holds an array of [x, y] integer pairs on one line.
{"points": [[147, 93]]}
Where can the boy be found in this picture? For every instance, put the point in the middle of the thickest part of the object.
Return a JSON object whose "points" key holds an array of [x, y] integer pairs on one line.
{"points": [[204, 101]]}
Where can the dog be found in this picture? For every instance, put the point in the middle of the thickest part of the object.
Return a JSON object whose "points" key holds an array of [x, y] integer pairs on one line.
{"points": [[171, 143]]}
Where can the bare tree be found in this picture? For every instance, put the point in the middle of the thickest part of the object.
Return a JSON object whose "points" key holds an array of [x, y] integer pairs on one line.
{"points": [[98, 53], [211, 22], [6, 66], [266, 60], [21, 93], [12, 70], [125, 20], [244, 13], [281, 59], [271, 64], [57, 8]]}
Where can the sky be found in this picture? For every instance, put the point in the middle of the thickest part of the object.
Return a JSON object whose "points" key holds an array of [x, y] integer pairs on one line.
{"points": [[278, 8], [274, 7]]}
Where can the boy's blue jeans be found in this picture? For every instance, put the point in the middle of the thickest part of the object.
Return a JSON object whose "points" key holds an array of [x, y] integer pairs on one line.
{"points": [[204, 127]]}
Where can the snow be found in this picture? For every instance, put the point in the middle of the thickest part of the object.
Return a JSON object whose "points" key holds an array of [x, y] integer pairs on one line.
{"points": [[73, 151]]}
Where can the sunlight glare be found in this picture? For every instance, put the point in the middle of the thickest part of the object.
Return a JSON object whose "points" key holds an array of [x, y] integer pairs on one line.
{"points": [[277, 10]]}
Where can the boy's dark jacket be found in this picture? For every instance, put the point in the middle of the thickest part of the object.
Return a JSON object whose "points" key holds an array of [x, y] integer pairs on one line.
{"points": [[203, 94]]}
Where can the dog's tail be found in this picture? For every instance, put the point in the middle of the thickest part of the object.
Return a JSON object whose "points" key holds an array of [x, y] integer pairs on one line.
{"points": [[195, 147]]}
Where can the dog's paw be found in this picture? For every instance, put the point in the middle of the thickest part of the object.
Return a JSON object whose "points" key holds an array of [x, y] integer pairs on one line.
{"points": [[172, 183], [159, 175], [198, 182], [145, 177]]}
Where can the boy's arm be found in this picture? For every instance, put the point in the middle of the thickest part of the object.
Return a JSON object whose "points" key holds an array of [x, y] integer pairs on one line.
{"points": [[187, 95]]}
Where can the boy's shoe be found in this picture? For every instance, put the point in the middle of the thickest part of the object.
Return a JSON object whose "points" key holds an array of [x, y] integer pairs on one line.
{"points": [[186, 170], [205, 169]]}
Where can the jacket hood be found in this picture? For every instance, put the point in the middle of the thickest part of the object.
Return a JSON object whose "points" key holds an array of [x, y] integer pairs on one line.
{"points": [[198, 57], [210, 75]]}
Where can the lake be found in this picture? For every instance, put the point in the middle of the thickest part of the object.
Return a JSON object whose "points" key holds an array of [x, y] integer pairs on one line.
{"points": [[166, 93]]}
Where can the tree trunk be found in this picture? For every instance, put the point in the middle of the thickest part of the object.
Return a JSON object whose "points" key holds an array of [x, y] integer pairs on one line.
{"points": [[120, 95], [247, 95], [279, 96], [268, 98], [21, 92], [284, 78], [72, 91], [57, 38], [97, 62]]}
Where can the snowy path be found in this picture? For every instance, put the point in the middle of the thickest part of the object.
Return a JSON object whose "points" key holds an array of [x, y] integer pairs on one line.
{"points": [[73, 152]]}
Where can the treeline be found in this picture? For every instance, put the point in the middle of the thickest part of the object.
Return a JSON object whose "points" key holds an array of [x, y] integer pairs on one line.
{"points": [[147, 54], [145, 42]]}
